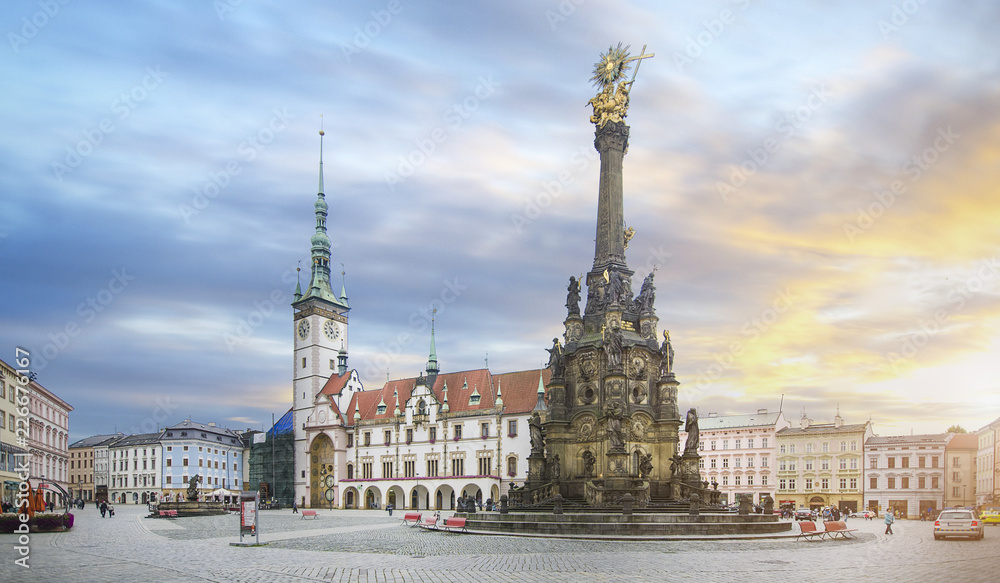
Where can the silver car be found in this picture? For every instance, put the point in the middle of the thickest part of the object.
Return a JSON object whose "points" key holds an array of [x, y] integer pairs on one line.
{"points": [[958, 523]]}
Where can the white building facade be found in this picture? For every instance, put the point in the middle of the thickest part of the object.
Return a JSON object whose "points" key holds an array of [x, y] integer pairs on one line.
{"points": [[738, 453], [134, 475], [906, 473], [987, 491], [214, 453]]}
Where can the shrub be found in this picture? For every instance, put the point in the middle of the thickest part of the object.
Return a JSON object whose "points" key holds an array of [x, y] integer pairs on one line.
{"points": [[39, 523]]}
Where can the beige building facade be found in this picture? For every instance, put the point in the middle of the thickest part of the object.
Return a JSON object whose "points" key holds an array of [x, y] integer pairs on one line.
{"points": [[821, 464]]}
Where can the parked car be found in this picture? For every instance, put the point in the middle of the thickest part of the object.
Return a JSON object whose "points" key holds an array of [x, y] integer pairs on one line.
{"points": [[958, 523], [864, 514], [803, 514], [990, 517]]}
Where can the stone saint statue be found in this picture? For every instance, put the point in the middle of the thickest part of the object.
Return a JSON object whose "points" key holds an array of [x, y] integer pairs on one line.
{"points": [[556, 358], [573, 296], [615, 432], [667, 352], [647, 295], [691, 427], [613, 348], [536, 434], [554, 469], [646, 465], [589, 460]]}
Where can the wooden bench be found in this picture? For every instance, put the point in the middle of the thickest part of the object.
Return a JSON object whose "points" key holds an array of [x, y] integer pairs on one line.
{"points": [[411, 517], [311, 513], [807, 530], [430, 523], [168, 514], [454, 523], [835, 528]]}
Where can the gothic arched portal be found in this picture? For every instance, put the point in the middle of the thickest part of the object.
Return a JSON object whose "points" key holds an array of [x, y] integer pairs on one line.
{"points": [[321, 479]]}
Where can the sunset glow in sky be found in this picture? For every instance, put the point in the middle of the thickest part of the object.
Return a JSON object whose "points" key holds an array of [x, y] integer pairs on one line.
{"points": [[814, 183]]}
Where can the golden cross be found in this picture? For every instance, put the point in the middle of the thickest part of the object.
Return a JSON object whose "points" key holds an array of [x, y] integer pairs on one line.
{"points": [[642, 55]]}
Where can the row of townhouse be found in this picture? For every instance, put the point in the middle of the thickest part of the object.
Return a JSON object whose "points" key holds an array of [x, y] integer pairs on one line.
{"points": [[816, 465], [987, 481], [39, 438], [146, 467]]}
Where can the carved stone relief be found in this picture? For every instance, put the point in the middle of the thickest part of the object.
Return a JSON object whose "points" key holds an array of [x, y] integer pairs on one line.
{"points": [[637, 393]]}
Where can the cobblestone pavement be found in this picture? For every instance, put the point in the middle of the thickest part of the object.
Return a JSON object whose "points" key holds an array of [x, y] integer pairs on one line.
{"points": [[369, 547]]}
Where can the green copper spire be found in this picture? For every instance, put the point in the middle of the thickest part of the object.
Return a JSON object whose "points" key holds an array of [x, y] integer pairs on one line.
{"points": [[319, 281]]}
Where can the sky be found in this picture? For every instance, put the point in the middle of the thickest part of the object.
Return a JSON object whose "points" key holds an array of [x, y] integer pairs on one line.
{"points": [[813, 182]]}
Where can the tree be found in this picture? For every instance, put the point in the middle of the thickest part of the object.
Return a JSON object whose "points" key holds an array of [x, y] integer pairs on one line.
{"points": [[956, 429]]}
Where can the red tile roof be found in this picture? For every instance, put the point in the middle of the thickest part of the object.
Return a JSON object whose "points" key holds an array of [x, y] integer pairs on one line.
{"points": [[519, 390], [963, 441]]}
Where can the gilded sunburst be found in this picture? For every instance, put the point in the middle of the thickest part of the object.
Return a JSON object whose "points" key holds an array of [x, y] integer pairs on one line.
{"points": [[612, 67]]}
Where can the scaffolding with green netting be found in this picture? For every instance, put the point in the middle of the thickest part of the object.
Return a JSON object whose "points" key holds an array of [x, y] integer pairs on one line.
{"points": [[272, 463]]}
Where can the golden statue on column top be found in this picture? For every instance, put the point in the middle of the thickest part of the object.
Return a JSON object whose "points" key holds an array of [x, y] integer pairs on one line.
{"points": [[611, 103]]}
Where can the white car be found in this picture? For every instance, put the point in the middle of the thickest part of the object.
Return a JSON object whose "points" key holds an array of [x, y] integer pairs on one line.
{"points": [[958, 523], [864, 514]]}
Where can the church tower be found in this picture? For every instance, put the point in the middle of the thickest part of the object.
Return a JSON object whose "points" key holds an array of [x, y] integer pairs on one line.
{"points": [[320, 332], [612, 399]]}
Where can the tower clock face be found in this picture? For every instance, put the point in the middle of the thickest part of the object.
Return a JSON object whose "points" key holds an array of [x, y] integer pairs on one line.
{"points": [[331, 329], [303, 329]]}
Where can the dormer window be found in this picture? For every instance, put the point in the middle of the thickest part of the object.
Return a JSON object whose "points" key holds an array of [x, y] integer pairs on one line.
{"points": [[474, 397], [421, 407], [381, 408]]}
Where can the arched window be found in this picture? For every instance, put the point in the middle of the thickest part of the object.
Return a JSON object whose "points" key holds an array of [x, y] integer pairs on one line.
{"points": [[421, 407]]}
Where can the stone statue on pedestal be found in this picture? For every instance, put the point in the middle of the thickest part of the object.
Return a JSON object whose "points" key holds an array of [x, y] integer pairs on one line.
{"points": [[556, 358], [192, 490], [589, 460], [537, 434], [691, 427], [573, 296], [615, 432], [646, 465], [667, 355]]}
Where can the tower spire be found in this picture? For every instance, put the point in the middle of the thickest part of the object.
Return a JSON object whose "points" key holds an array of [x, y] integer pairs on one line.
{"points": [[432, 359], [319, 281]]}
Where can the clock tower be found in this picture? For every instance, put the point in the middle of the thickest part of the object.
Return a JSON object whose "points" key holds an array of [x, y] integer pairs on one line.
{"points": [[320, 332]]}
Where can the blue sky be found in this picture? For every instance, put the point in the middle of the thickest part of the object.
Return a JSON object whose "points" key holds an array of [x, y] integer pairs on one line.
{"points": [[815, 184]]}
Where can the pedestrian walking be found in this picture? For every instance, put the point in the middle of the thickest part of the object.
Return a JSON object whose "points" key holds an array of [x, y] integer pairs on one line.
{"points": [[389, 508], [104, 508], [888, 521], [295, 507]]}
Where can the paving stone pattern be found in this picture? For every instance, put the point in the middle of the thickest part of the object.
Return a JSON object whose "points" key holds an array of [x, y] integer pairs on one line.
{"points": [[369, 547]]}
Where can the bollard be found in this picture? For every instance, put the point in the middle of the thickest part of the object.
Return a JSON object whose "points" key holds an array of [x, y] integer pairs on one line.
{"points": [[695, 500], [503, 504], [627, 500]]}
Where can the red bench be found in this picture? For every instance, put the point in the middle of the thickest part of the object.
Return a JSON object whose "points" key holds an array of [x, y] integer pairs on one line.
{"points": [[454, 523], [807, 530], [411, 517], [835, 528], [430, 523], [168, 514], [311, 513]]}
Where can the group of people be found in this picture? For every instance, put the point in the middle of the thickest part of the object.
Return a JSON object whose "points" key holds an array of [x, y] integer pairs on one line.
{"points": [[107, 510]]}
